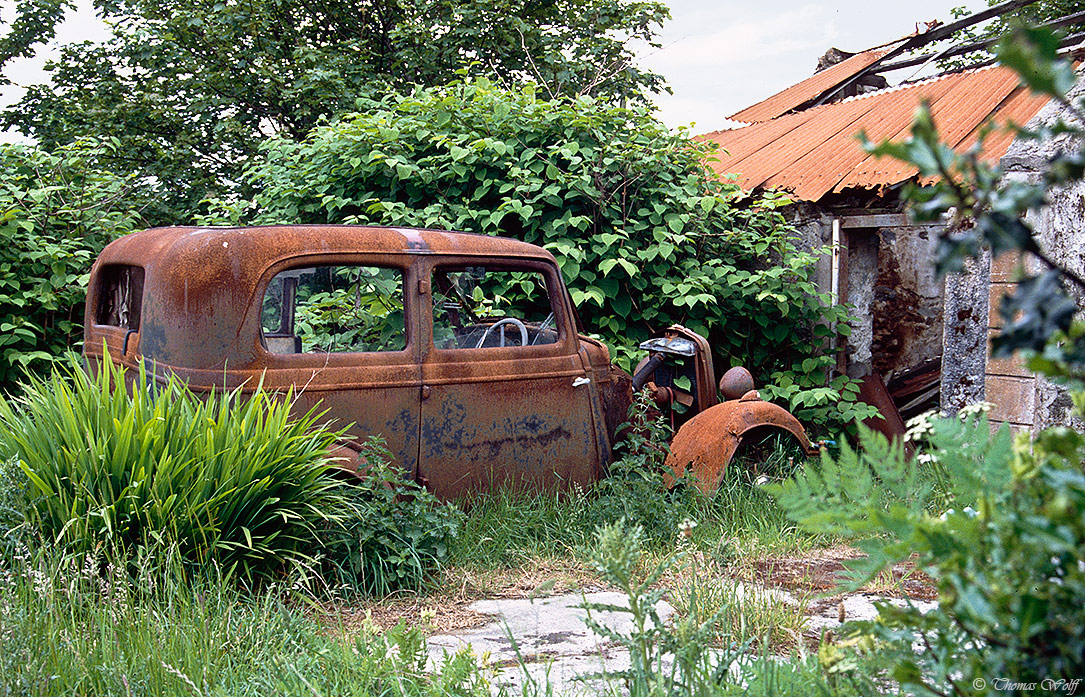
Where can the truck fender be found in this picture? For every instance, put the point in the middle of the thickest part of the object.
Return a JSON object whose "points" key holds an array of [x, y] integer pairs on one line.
{"points": [[706, 443]]}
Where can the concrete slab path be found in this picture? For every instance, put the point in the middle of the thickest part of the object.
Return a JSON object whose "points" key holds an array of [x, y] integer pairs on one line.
{"points": [[545, 640]]}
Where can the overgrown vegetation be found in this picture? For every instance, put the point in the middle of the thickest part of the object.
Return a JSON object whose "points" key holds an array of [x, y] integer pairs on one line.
{"points": [[191, 89], [231, 481], [88, 626], [394, 534], [57, 210], [645, 235], [227, 480], [995, 520], [996, 524]]}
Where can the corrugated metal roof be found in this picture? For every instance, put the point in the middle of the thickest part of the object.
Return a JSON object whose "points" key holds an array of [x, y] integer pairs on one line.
{"points": [[816, 151], [798, 94]]}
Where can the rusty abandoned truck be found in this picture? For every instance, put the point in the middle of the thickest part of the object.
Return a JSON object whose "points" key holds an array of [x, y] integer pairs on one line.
{"points": [[463, 351]]}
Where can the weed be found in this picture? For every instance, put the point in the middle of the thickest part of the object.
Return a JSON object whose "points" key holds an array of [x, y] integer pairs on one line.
{"points": [[395, 533], [664, 660]]}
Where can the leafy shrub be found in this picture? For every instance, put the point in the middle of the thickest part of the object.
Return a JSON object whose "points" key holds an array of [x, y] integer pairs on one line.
{"points": [[231, 479], [997, 524], [645, 235], [57, 211], [395, 533]]}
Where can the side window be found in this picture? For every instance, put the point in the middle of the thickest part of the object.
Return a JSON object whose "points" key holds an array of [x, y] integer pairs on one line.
{"points": [[120, 296], [332, 309], [479, 307]]}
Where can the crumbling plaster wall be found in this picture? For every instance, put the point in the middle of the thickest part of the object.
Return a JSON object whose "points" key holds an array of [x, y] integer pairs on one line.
{"points": [[814, 231], [906, 308]]}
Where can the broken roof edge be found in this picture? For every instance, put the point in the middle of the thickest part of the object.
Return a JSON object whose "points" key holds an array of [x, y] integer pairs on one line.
{"points": [[811, 88], [782, 157]]}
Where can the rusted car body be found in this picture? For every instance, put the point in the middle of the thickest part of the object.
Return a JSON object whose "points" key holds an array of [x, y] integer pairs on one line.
{"points": [[462, 351]]}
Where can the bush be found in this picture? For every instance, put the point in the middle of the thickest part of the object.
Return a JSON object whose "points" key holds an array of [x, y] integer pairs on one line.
{"points": [[645, 235], [395, 534], [997, 524], [229, 479], [57, 211]]}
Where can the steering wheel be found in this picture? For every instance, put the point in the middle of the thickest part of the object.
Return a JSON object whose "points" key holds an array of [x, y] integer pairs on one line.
{"points": [[501, 323]]}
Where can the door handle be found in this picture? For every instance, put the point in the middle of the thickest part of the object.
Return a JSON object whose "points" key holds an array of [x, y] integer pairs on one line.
{"points": [[425, 391]]}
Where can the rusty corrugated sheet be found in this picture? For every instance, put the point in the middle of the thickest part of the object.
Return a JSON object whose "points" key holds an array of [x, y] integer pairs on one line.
{"points": [[815, 152], [810, 88]]}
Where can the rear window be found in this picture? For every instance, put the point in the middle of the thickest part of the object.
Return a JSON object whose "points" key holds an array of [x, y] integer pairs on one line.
{"points": [[334, 309], [120, 296]]}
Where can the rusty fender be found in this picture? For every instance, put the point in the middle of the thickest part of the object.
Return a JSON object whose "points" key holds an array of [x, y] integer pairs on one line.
{"points": [[708, 441]]}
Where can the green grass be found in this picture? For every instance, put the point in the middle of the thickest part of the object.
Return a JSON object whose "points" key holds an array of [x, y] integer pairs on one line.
{"points": [[505, 529], [225, 478], [91, 629]]}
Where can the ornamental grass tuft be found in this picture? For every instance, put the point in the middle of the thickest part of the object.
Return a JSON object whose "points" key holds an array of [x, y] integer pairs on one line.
{"points": [[227, 479]]}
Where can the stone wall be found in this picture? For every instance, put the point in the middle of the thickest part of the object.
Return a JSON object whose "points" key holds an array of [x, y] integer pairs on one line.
{"points": [[1021, 399]]}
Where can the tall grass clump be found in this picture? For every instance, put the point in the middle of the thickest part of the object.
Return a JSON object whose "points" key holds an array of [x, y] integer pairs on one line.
{"points": [[226, 478]]}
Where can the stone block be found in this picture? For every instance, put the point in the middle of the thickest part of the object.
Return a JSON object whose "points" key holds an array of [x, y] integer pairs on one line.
{"points": [[1014, 398], [964, 335], [1014, 365]]}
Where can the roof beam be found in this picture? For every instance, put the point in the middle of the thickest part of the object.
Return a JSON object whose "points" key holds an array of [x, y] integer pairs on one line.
{"points": [[953, 51], [937, 34]]}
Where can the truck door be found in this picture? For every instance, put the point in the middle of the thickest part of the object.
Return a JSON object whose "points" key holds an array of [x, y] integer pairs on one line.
{"points": [[506, 398]]}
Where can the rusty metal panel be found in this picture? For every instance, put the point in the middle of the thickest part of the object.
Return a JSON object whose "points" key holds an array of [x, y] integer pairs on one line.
{"points": [[816, 151], [507, 431], [705, 445], [201, 283], [513, 416], [802, 92]]}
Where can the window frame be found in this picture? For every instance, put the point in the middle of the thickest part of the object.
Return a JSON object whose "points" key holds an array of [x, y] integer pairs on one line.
{"points": [[410, 325], [554, 290]]}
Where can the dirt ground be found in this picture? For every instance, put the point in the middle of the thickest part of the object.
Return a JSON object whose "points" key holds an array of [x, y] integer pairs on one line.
{"points": [[821, 570], [810, 575], [446, 610]]}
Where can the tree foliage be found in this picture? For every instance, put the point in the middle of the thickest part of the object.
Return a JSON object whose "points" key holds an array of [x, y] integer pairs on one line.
{"points": [[1031, 15], [645, 236], [57, 211], [191, 88]]}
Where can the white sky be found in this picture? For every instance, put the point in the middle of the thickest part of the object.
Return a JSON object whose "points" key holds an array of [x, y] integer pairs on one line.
{"points": [[718, 56]]}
